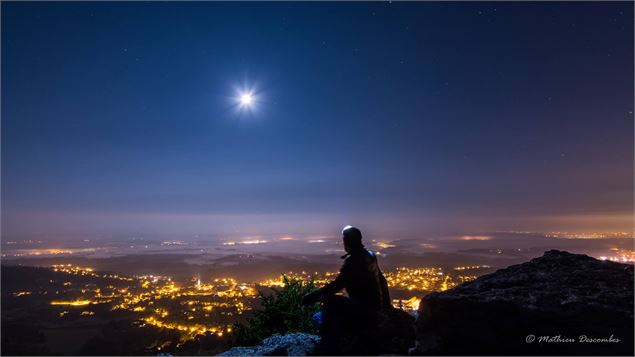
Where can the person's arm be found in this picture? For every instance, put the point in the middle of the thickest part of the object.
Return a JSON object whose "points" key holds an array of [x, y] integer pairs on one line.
{"points": [[336, 285], [331, 288], [385, 294]]}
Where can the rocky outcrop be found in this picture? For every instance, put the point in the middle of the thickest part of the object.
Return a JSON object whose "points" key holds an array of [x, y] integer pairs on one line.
{"points": [[396, 332], [392, 333], [557, 304], [293, 344]]}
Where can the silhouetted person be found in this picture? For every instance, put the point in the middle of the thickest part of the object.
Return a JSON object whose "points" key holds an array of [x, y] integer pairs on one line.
{"points": [[367, 291]]}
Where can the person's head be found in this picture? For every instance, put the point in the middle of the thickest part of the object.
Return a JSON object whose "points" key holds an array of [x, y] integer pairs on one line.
{"points": [[352, 238]]}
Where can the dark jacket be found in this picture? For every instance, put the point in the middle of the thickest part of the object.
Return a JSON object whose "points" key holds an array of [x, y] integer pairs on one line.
{"points": [[363, 280]]}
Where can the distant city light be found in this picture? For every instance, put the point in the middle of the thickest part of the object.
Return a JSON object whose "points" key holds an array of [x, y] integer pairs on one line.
{"points": [[72, 303], [384, 245], [476, 238], [589, 235], [256, 241], [247, 242]]}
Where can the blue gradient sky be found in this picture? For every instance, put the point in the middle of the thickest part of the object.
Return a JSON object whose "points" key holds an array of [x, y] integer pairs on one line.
{"points": [[403, 118]]}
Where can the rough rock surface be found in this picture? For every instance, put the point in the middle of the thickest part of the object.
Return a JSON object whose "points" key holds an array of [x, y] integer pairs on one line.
{"points": [[560, 296], [396, 332], [293, 344]]}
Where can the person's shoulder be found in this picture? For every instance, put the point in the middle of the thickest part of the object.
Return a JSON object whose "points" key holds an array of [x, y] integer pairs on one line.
{"points": [[360, 257], [353, 258], [350, 258], [369, 254]]}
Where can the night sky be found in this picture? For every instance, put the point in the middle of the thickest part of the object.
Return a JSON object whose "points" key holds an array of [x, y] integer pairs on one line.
{"points": [[405, 119]]}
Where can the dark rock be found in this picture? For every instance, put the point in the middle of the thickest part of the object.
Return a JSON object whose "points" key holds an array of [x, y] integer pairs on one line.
{"points": [[393, 333], [293, 344], [396, 332], [560, 296]]}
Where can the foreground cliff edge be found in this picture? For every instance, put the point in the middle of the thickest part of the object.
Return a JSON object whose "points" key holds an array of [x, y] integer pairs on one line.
{"points": [[557, 304], [543, 307]]}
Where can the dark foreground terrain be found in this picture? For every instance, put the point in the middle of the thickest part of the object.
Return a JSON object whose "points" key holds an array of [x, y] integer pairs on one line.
{"points": [[557, 304]]}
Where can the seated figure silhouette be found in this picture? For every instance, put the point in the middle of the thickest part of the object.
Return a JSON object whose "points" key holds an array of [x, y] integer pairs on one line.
{"points": [[353, 316]]}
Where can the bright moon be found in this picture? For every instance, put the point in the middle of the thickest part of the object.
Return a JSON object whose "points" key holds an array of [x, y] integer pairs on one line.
{"points": [[246, 99]]}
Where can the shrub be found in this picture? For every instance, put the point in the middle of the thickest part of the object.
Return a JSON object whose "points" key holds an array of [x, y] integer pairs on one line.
{"points": [[281, 312]]}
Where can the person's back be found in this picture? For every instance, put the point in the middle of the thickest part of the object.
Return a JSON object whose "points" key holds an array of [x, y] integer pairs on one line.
{"points": [[362, 279]]}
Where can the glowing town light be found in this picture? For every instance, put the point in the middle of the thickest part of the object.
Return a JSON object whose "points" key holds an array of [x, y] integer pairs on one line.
{"points": [[256, 241], [476, 238], [72, 303]]}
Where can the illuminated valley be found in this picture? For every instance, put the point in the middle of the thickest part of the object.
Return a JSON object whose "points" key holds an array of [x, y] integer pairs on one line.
{"points": [[195, 308], [187, 297]]}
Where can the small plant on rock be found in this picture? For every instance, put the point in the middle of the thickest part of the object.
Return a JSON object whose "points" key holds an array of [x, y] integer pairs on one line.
{"points": [[282, 312]]}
